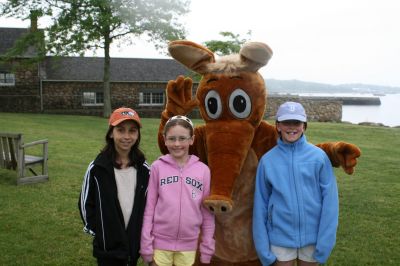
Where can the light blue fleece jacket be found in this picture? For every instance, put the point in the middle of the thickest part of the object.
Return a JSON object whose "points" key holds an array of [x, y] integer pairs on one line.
{"points": [[295, 201], [174, 215]]}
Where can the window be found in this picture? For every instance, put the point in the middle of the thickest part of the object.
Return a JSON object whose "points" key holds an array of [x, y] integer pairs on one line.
{"points": [[7, 79], [151, 98], [90, 98]]}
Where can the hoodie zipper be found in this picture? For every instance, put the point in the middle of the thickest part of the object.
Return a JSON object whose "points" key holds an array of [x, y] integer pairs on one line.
{"points": [[296, 185], [180, 202]]}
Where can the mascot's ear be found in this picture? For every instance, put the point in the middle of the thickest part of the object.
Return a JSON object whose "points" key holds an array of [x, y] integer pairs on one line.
{"points": [[192, 55], [255, 55]]}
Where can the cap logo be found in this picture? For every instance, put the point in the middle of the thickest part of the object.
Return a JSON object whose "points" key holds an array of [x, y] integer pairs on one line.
{"points": [[292, 108], [128, 113]]}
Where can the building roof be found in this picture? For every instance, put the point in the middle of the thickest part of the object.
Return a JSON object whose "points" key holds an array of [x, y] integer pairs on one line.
{"points": [[121, 69], [8, 36]]}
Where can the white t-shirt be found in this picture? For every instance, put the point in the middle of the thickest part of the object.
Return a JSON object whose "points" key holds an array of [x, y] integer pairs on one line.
{"points": [[126, 185]]}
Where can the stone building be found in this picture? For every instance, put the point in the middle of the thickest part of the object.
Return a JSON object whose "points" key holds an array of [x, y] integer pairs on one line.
{"points": [[74, 85]]}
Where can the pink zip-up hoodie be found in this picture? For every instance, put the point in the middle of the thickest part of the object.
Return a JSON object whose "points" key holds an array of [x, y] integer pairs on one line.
{"points": [[175, 216]]}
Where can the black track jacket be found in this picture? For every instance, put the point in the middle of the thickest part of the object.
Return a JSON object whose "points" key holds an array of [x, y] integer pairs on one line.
{"points": [[102, 215]]}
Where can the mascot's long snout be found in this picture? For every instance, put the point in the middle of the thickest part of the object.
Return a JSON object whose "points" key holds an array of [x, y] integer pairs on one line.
{"points": [[225, 146]]}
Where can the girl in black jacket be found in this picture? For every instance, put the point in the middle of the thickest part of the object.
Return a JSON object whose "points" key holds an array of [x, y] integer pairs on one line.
{"points": [[113, 193]]}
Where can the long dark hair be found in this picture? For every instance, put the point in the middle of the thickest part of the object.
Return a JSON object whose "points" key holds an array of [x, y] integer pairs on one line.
{"points": [[136, 156]]}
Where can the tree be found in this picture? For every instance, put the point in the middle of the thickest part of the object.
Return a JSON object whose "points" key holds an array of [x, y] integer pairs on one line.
{"points": [[231, 45], [81, 25]]}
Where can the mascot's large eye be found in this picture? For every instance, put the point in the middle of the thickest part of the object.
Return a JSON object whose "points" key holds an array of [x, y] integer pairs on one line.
{"points": [[213, 104], [240, 104]]}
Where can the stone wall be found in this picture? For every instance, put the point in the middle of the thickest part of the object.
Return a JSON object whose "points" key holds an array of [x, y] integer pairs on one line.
{"points": [[66, 98], [319, 109], [322, 109], [63, 97], [24, 96], [26, 100], [58, 96]]}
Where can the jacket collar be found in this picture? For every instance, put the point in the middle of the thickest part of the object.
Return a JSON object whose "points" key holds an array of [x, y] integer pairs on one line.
{"points": [[104, 161], [167, 158]]}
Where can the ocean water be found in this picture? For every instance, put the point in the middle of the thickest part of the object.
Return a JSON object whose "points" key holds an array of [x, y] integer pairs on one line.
{"points": [[387, 113]]}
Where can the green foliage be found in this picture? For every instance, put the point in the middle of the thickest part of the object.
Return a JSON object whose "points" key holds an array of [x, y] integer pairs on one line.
{"points": [[81, 25], [40, 223], [23, 9], [231, 44], [30, 45], [89, 24]]}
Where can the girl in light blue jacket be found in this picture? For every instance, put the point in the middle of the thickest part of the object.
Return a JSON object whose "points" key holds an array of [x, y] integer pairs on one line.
{"points": [[296, 207]]}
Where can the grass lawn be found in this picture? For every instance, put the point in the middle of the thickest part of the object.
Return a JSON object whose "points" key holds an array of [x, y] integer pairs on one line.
{"points": [[40, 223]]}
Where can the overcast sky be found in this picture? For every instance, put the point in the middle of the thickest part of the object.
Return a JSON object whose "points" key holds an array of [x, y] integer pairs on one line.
{"points": [[329, 41]]}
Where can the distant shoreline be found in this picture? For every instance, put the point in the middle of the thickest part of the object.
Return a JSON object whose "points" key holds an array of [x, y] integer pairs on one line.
{"points": [[346, 100]]}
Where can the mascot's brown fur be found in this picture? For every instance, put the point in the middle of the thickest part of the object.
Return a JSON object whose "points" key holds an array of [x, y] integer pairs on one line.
{"points": [[231, 97]]}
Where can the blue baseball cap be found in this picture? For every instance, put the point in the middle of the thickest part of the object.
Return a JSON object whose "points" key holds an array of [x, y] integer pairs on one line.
{"points": [[291, 111]]}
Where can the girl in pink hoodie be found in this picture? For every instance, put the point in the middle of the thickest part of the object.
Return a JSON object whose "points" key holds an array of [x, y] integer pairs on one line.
{"points": [[175, 216]]}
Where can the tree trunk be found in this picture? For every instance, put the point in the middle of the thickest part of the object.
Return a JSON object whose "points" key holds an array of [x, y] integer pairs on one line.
{"points": [[106, 78]]}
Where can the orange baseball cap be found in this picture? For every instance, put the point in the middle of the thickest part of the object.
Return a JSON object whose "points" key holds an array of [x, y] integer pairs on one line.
{"points": [[121, 114]]}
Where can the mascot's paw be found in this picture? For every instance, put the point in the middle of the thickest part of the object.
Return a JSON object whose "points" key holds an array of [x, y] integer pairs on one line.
{"points": [[179, 96], [347, 155], [342, 154]]}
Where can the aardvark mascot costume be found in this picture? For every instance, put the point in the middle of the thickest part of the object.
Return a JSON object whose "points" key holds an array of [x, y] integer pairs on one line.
{"points": [[231, 97]]}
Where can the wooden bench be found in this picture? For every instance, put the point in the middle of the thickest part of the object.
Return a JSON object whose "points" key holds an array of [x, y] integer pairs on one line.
{"points": [[13, 156]]}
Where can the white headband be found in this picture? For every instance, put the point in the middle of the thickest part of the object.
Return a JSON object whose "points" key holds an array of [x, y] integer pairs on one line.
{"points": [[181, 117]]}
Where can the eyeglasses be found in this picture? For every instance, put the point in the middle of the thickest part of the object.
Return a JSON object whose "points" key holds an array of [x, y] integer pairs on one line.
{"points": [[180, 139]]}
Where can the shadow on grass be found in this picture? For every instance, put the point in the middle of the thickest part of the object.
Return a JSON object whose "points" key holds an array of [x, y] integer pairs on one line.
{"points": [[8, 177]]}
